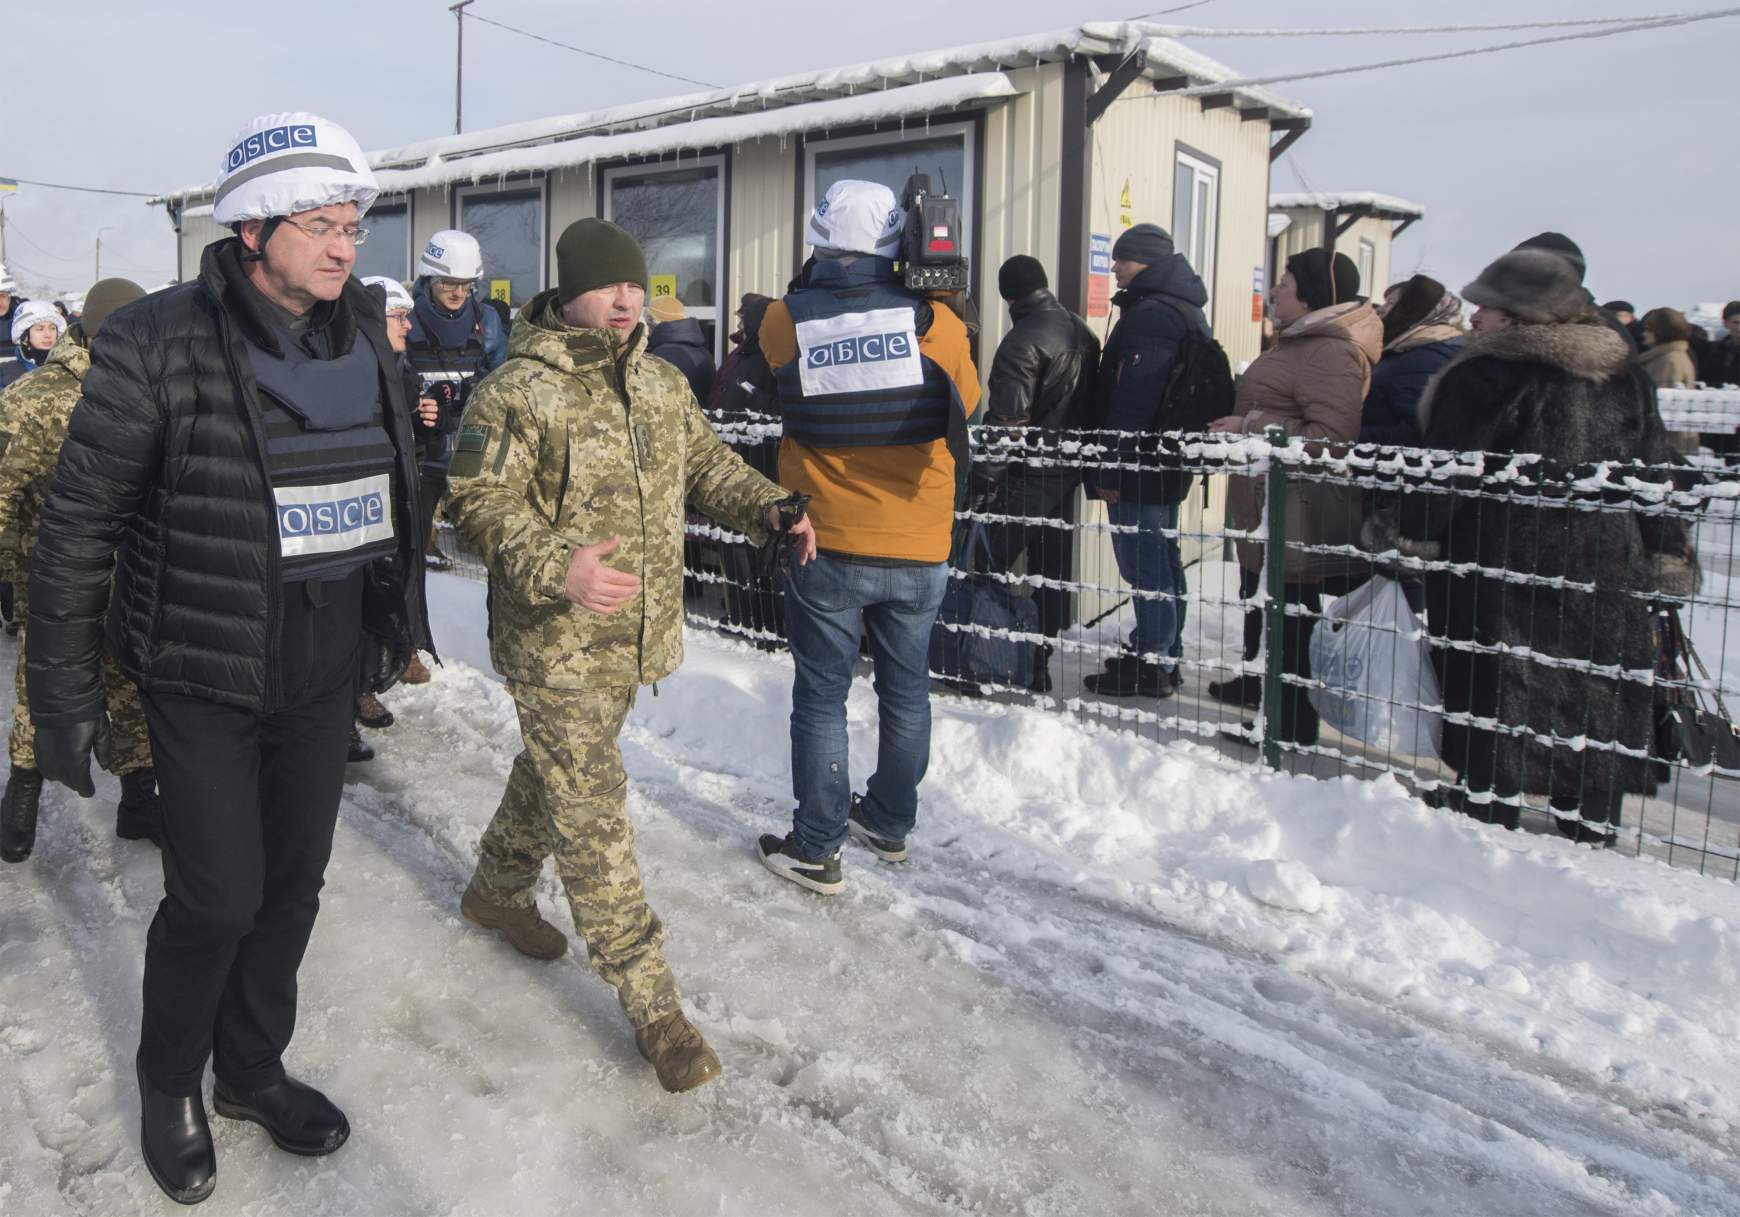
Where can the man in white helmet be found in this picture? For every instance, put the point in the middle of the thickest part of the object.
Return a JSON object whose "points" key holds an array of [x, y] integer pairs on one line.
{"points": [[8, 298], [241, 463], [455, 339]]}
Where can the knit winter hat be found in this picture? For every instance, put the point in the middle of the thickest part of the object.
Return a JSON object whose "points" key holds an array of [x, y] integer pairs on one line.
{"points": [[1559, 243], [1532, 285], [1021, 276], [1148, 244], [596, 253], [1731, 309], [105, 296], [1323, 281], [666, 308], [1620, 306]]}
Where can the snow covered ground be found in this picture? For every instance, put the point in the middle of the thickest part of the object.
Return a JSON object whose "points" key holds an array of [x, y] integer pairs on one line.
{"points": [[1117, 977]]}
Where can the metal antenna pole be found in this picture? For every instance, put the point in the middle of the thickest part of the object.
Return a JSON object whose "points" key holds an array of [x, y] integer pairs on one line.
{"points": [[458, 11]]}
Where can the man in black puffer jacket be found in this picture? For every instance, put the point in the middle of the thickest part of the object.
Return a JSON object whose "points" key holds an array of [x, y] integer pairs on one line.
{"points": [[244, 443], [1042, 378], [1160, 305]]}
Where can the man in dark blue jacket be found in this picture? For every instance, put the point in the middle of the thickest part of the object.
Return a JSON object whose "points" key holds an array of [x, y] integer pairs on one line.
{"points": [[1160, 306], [455, 340]]}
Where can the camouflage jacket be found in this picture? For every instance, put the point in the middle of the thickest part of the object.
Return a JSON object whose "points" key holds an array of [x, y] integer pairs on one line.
{"points": [[569, 443], [34, 413]]}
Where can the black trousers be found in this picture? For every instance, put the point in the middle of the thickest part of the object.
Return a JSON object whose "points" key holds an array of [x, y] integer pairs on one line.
{"points": [[1049, 549], [249, 806]]}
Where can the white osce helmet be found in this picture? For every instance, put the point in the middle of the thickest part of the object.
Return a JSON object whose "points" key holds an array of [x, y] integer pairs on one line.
{"points": [[31, 312], [7, 283], [282, 164], [398, 299], [451, 254], [857, 217]]}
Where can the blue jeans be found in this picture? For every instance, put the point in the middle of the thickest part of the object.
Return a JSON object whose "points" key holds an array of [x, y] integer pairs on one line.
{"points": [[827, 603], [1150, 561]]}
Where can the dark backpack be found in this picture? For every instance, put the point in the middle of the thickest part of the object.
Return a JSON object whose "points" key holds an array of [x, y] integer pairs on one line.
{"points": [[1199, 391]]}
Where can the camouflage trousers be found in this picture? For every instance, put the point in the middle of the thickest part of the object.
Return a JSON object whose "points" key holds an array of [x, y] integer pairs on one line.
{"points": [[568, 797], [129, 742]]}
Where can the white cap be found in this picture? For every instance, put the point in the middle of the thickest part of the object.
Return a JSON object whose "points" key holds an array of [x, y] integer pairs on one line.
{"points": [[398, 299], [7, 282], [451, 254], [857, 217], [31, 312], [282, 164]]}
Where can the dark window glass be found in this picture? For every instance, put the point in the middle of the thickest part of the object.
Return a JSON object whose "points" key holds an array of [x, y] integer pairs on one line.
{"points": [[510, 230], [388, 249]]}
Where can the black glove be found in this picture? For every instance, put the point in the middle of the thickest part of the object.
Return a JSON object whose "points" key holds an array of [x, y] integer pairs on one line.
{"points": [[383, 663], [63, 754], [776, 554], [446, 395]]}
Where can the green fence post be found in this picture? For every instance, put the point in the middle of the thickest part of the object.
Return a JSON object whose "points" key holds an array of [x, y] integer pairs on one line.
{"points": [[1275, 604]]}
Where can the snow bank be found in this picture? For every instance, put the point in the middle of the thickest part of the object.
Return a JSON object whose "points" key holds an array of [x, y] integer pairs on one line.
{"points": [[1617, 967]]}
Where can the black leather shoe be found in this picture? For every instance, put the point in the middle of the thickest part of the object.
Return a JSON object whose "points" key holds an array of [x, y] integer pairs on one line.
{"points": [[176, 1142], [18, 807], [298, 1118]]}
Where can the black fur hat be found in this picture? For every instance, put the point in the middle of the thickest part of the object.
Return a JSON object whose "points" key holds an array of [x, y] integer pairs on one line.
{"points": [[1531, 285]]}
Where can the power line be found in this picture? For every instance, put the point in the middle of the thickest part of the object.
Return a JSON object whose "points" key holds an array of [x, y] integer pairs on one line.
{"points": [[1176, 8], [13, 230], [591, 54], [139, 194], [1209, 31], [1636, 27]]}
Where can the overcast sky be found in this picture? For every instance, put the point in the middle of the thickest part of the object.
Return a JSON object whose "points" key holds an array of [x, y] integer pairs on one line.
{"points": [[1625, 143]]}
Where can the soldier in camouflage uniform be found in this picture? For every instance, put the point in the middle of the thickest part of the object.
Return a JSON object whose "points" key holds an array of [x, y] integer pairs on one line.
{"points": [[574, 463], [36, 410]]}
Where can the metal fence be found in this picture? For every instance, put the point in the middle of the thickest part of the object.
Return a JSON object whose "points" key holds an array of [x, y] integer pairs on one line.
{"points": [[1500, 634]]}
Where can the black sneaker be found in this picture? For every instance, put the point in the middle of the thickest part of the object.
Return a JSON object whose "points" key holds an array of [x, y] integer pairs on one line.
{"points": [[1131, 678], [780, 855], [889, 849], [1245, 691], [360, 748]]}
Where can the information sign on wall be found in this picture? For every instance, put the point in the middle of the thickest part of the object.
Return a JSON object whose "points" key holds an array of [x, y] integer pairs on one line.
{"points": [[1099, 284]]}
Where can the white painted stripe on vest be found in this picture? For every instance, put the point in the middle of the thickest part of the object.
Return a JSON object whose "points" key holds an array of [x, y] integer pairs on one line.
{"points": [[335, 518], [859, 352]]}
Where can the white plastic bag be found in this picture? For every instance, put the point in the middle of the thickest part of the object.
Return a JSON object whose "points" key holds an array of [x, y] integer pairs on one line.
{"points": [[1370, 653]]}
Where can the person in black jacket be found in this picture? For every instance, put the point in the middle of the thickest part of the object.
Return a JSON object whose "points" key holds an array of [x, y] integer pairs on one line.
{"points": [[679, 340], [1422, 333], [1160, 307], [1720, 365], [244, 444], [1042, 378]]}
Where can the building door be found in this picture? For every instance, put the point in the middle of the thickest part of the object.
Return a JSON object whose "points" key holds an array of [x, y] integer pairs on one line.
{"points": [[678, 216]]}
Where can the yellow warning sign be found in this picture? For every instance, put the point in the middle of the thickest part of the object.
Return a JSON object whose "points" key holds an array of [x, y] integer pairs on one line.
{"points": [[502, 289], [1126, 209], [664, 285], [1124, 199]]}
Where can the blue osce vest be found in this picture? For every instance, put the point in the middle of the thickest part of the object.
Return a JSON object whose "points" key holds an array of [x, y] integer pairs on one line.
{"points": [[859, 379]]}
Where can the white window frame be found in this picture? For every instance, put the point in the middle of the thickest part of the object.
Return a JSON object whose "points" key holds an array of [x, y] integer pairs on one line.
{"points": [[963, 190], [1368, 267], [539, 186], [1201, 170], [699, 312]]}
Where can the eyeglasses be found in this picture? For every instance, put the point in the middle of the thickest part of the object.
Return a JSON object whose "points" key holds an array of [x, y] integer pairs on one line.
{"points": [[320, 230], [456, 285]]}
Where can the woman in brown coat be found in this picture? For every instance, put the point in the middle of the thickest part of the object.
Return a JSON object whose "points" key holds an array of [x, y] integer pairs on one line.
{"points": [[1667, 350], [1312, 384]]}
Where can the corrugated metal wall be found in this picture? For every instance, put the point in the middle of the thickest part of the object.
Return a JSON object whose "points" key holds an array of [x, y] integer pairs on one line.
{"points": [[197, 231], [760, 239], [1020, 204]]}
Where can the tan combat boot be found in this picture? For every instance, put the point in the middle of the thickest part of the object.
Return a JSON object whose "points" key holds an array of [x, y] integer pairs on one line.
{"points": [[678, 1052], [416, 672], [526, 931]]}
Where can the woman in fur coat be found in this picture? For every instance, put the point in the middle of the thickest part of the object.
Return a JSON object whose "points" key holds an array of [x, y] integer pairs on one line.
{"points": [[1544, 374]]}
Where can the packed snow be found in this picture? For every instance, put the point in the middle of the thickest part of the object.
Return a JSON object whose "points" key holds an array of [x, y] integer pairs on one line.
{"points": [[1117, 977]]}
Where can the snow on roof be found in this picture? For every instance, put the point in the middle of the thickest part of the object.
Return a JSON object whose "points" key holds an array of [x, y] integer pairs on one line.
{"points": [[1278, 224], [1383, 204], [864, 92]]}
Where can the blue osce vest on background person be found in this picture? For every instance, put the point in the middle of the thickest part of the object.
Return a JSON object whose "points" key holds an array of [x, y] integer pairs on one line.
{"points": [[859, 379], [456, 349]]}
